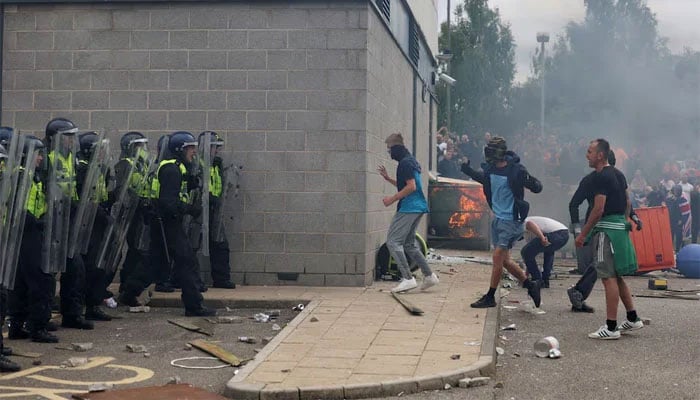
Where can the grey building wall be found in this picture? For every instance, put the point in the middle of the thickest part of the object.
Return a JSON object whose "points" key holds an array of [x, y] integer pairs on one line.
{"points": [[304, 94]]}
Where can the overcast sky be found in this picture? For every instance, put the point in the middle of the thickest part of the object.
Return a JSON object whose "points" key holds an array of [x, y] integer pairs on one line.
{"points": [[678, 21]]}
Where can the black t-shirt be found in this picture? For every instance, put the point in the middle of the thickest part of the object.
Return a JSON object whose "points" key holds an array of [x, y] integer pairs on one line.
{"points": [[611, 183]]}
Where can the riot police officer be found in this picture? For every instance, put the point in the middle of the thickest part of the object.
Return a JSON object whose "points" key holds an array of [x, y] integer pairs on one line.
{"points": [[218, 249], [170, 190], [6, 365], [132, 170], [61, 155], [30, 300], [95, 278]]}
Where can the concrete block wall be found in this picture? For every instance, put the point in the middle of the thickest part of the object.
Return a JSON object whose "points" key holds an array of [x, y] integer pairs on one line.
{"points": [[303, 92], [389, 110]]}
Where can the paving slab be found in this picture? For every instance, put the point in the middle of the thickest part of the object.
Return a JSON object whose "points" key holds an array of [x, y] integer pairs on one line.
{"points": [[359, 342]]}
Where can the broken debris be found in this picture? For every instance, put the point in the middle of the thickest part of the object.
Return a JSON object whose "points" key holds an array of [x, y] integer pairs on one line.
{"points": [[136, 348], [473, 382], [140, 309], [74, 362]]}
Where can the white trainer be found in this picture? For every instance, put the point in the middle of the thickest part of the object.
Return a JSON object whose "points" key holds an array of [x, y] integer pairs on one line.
{"points": [[628, 326], [429, 281], [604, 334], [405, 285]]}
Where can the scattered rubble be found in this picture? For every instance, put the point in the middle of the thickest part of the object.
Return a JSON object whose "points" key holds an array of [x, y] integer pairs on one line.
{"points": [[174, 380], [74, 362], [100, 387], [247, 339], [228, 320], [136, 348], [456, 356], [313, 319], [261, 317], [473, 382], [276, 327], [80, 347], [140, 309], [510, 327]]}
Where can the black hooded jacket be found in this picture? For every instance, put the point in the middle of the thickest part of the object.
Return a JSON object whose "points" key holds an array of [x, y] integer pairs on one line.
{"points": [[518, 180]]}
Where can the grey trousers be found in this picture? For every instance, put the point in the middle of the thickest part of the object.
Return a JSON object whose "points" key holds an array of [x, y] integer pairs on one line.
{"points": [[586, 261], [401, 242]]}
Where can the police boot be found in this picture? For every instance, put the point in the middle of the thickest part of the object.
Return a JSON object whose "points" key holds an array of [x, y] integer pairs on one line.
{"points": [[16, 330], [43, 336], [164, 288], [7, 365], [225, 285], [76, 322], [200, 312], [6, 351], [95, 313]]}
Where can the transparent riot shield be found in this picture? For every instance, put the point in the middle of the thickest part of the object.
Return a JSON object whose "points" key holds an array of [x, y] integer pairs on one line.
{"points": [[193, 226], [230, 177], [101, 189], [205, 154], [25, 176], [60, 192], [8, 185], [125, 204], [92, 186]]}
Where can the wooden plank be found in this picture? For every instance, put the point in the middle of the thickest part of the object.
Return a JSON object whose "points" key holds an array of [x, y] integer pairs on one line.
{"points": [[167, 392], [407, 304], [191, 325], [216, 351], [667, 296]]}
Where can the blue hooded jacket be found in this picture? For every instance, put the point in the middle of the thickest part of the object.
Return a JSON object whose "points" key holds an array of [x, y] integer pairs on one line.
{"points": [[518, 180]]}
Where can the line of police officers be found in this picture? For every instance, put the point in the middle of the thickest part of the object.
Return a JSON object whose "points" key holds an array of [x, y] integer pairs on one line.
{"points": [[83, 217]]}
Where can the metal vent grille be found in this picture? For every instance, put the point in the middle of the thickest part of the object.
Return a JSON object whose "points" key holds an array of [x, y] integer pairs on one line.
{"points": [[385, 8], [413, 42]]}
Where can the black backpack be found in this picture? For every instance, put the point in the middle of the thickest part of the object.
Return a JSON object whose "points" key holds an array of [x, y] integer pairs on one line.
{"points": [[386, 268]]}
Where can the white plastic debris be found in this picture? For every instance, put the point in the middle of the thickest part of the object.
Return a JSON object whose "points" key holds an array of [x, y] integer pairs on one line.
{"points": [[500, 351], [276, 327], [510, 327], [140, 309], [110, 303], [472, 382], [80, 347], [260, 317]]}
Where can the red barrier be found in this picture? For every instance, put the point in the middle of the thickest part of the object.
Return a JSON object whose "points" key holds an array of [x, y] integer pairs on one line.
{"points": [[653, 244]]}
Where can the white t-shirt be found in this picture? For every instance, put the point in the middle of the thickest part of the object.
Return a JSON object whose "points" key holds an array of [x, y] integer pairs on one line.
{"points": [[687, 188], [547, 225]]}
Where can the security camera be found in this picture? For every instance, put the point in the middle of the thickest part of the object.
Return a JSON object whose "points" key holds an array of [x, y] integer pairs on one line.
{"points": [[448, 79]]}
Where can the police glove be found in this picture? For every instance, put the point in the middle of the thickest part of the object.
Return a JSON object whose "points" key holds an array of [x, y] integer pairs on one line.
{"points": [[194, 182], [637, 222]]}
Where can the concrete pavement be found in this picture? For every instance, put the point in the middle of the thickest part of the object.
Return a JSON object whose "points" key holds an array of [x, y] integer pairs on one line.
{"points": [[359, 342]]}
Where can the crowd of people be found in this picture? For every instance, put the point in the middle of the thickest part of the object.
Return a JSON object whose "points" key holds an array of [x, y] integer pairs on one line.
{"points": [[67, 211], [673, 182]]}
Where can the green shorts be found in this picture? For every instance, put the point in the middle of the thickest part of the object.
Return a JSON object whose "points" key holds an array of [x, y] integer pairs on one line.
{"points": [[604, 257]]}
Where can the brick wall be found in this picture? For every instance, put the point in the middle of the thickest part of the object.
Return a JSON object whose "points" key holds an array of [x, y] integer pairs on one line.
{"points": [[288, 85]]}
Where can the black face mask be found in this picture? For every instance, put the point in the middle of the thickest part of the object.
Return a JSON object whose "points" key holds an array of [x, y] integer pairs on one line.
{"points": [[398, 152]]}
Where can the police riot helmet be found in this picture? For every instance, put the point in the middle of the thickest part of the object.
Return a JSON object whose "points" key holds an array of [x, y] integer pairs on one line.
{"points": [[131, 138], [216, 140], [87, 142], [6, 134], [61, 125], [179, 140], [29, 141]]}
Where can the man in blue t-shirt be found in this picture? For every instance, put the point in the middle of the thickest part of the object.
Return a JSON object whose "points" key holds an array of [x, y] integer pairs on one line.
{"points": [[505, 181], [412, 205]]}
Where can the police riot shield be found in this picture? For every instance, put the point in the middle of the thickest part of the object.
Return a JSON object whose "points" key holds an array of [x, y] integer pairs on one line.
{"points": [[193, 226], [230, 177], [8, 184], [60, 192], [143, 233], [205, 154], [101, 194], [126, 201], [25, 175], [93, 185]]}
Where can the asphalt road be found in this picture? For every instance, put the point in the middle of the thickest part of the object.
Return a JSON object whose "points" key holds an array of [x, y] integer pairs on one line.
{"points": [[660, 361], [163, 341]]}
